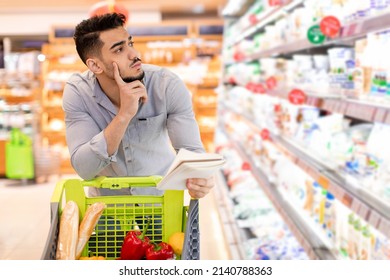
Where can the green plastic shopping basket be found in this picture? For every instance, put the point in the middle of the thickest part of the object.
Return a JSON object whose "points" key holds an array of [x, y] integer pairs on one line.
{"points": [[126, 212]]}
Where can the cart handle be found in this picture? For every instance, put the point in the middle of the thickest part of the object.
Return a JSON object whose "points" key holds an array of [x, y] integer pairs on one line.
{"points": [[107, 183], [122, 182]]}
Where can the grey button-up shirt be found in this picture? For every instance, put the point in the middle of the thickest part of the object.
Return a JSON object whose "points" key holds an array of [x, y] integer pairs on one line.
{"points": [[162, 125]]}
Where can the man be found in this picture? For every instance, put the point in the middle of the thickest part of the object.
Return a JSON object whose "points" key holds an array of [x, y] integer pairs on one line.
{"points": [[124, 118]]}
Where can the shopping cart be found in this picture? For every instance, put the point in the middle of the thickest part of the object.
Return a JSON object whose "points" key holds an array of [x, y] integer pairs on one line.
{"points": [[167, 215]]}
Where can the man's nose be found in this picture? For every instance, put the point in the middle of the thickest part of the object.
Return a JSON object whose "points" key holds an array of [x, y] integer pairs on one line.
{"points": [[133, 53]]}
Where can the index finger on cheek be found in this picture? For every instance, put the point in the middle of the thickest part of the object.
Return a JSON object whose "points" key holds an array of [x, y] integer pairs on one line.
{"points": [[117, 77]]}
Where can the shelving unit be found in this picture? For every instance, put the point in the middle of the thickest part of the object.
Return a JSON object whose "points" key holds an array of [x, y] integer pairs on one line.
{"points": [[308, 238], [61, 61], [347, 189], [18, 108], [233, 235]]}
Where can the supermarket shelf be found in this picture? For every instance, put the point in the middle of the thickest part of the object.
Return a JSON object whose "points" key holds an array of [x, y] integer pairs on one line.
{"points": [[344, 187], [348, 34], [306, 236], [234, 235], [365, 110], [360, 109], [271, 15], [50, 108]]}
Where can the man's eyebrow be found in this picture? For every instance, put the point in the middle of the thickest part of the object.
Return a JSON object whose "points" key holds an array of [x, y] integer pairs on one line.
{"points": [[120, 43], [117, 44]]}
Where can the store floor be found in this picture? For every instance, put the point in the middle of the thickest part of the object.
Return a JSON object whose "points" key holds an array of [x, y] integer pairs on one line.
{"points": [[25, 221]]}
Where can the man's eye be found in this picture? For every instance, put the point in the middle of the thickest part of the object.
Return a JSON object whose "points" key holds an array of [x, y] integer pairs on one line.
{"points": [[131, 43], [118, 50]]}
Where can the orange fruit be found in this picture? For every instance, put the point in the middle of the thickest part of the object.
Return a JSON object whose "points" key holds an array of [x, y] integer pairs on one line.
{"points": [[176, 240]]}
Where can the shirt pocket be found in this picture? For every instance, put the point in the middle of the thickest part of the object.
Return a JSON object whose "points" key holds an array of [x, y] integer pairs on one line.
{"points": [[150, 128]]}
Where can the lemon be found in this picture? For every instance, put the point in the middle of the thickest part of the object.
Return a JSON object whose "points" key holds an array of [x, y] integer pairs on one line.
{"points": [[176, 240]]}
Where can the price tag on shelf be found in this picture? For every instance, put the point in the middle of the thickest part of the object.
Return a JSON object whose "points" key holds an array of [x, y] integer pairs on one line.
{"points": [[351, 110], [334, 105], [330, 26], [352, 29], [301, 164], [384, 227], [310, 100], [326, 105], [312, 172], [359, 27], [374, 219], [364, 211], [342, 107], [348, 30], [366, 112], [333, 189], [355, 205], [380, 115], [346, 199], [337, 107], [387, 121], [297, 97], [323, 181]]}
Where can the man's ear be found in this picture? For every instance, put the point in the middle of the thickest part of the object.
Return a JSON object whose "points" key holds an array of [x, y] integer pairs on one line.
{"points": [[94, 66]]}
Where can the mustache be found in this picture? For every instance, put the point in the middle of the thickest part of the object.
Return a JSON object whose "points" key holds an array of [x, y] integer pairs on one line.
{"points": [[135, 60]]}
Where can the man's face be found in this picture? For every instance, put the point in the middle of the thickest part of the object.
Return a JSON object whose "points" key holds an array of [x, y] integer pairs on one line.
{"points": [[118, 48]]}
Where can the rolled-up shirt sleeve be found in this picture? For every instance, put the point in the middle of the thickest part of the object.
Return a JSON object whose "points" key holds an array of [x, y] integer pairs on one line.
{"points": [[85, 139]]}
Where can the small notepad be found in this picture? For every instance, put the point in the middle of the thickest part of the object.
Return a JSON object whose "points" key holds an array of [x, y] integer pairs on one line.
{"points": [[187, 165]]}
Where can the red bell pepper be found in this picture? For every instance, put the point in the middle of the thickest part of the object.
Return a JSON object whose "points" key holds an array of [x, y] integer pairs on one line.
{"points": [[160, 251], [135, 245]]}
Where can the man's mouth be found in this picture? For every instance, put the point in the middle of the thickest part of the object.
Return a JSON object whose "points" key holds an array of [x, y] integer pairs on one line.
{"points": [[137, 64]]}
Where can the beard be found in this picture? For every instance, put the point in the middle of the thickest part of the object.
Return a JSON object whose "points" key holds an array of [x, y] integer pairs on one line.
{"points": [[135, 78], [129, 79]]}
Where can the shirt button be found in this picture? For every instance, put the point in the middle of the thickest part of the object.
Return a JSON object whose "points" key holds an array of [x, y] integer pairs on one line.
{"points": [[129, 160], [126, 147]]}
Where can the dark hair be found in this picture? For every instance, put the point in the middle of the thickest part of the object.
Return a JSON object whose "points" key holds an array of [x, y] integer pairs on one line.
{"points": [[87, 33]]}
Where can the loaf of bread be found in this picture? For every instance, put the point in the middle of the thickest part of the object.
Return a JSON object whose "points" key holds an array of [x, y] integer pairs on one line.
{"points": [[87, 225], [68, 232]]}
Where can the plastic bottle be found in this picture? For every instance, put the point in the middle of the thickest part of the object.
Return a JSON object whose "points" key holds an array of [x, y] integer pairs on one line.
{"points": [[357, 239], [351, 236], [317, 190], [366, 243], [329, 217], [340, 237], [321, 210]]}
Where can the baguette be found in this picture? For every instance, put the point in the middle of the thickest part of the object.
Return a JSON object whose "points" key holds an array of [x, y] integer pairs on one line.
{"points": [[88, 224], [68, 232]]}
